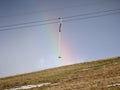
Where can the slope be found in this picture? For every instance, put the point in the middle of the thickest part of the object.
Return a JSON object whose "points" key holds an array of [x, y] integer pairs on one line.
{"points": [[96, 75]]}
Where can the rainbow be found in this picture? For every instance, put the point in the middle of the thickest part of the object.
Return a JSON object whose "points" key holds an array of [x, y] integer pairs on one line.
{"points": [[66, 54]]}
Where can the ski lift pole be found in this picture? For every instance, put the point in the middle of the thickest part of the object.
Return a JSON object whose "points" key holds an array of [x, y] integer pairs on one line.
{"points": [[60, 49]]}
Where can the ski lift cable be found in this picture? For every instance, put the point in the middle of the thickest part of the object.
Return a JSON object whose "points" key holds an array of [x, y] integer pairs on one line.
{"points": [[63, 18], [53, 22]]}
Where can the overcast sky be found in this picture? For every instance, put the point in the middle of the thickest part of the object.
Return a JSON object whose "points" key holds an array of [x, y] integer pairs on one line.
{"points": [[35, 48]]}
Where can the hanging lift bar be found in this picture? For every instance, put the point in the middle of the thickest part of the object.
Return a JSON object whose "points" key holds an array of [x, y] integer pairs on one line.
{"points": [[60, 25]]}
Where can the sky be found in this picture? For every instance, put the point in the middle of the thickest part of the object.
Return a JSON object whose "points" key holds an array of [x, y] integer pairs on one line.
{"points": [[36, 47]]}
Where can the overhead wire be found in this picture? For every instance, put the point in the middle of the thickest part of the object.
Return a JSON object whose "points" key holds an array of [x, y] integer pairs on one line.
{"points": [[88, 17], [64, 19], [92, 13], [6, 29], [55, 19], [26, 23]]}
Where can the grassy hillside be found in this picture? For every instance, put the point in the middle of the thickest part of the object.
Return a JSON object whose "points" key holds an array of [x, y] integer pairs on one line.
{"points": [[95, 75]]}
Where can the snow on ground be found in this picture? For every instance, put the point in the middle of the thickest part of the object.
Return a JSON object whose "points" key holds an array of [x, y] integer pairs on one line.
{"points": [[31, 86], [115, 84]]}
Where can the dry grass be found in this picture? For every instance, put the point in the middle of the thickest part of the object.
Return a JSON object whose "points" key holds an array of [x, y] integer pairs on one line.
{"points": [[94, 75]]}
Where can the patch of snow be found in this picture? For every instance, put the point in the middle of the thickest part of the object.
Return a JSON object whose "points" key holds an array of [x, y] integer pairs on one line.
{"points": [[30, 86], [115, 84]]}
